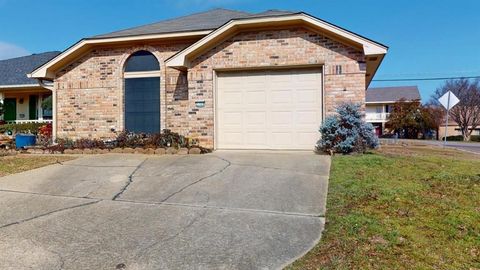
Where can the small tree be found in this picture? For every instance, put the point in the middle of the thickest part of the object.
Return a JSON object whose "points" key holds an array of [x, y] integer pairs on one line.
{"points": [[405, 118], [431, 118], [346, 132], [410, 118], [467, 112]]}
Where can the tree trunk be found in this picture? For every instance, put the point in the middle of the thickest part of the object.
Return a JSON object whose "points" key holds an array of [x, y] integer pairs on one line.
{"points": [[466, 134]]}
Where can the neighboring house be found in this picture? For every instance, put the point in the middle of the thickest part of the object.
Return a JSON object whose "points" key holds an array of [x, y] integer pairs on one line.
{"points": [[379, 103], [230, 79], [22, 96], [454, 130]]}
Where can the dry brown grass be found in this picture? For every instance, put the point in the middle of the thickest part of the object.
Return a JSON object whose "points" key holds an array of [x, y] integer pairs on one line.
{"points": [[20, 163]]}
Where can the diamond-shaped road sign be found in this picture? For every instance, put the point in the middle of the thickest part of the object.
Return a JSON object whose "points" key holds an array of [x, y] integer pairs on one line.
{"points": [[448, 100]]}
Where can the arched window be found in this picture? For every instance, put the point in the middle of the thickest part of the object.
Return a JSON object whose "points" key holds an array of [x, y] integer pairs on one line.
{"points": [[142, 61], [142, 93]]}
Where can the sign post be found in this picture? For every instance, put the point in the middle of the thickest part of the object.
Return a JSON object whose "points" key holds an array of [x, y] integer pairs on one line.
{"points": [[448, 100]]}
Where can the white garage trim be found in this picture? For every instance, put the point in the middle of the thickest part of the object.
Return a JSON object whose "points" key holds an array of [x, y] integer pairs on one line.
{"points": [[303, 136]]}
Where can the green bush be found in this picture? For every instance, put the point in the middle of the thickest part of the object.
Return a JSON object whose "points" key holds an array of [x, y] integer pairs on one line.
{"points": [[21, 128], [459, 138]]}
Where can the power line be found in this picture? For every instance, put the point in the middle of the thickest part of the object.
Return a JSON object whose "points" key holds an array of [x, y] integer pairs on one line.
{"points": [[427, 79]]}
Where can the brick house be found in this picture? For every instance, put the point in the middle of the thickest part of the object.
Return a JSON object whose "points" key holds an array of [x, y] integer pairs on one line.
{"points": [[230, 79]]}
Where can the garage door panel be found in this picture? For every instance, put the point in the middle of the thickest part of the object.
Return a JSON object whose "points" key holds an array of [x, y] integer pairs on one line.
{"points": [[282, 118], [278, 109], [232, 98], [253, 119], [281, 96], [282, 139], [231, 119], [256, 97], [307, 117], [256, 138], [232, 137], [306, 138], [307, 96]]}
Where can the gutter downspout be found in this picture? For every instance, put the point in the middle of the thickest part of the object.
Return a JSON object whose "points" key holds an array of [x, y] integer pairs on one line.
{"points": [[54, 108]]}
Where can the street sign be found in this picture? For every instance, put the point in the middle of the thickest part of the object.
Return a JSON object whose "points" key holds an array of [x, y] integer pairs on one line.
{"points": [[448, 100]]}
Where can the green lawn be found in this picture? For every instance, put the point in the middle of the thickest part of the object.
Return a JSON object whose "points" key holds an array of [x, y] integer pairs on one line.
{"points": [[401, 208], [19, 163]]}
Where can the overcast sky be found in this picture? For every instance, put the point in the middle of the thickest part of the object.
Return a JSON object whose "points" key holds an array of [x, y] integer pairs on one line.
{"points": [[427, 38]]}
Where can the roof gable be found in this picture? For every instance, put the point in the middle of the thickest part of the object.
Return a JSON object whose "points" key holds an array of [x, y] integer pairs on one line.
{"points": [[374, 50], [392, 94], [14, 71]]}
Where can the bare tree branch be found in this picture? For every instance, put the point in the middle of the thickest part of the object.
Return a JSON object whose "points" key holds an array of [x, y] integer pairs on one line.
{"points": [[467, 112]]}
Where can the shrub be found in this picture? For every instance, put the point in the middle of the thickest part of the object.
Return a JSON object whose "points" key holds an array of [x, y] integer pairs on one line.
{"points": [[31, 128], [156, 140], [457, 138], [346, 132], [85, 143], [130, 140]]}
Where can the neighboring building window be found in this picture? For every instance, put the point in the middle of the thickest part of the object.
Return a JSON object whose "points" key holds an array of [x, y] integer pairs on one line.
{"points": [[338, 69], [47, 106], [388, 108]]}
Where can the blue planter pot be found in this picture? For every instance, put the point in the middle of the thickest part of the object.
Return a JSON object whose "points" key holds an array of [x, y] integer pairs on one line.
{"points": [[23, 140]]}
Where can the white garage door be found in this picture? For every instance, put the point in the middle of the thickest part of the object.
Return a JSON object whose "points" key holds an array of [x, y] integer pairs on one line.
{"points": [[274, 109]]}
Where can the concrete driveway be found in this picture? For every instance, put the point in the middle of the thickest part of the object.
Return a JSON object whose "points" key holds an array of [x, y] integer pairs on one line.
{"points": [[226, 210]]}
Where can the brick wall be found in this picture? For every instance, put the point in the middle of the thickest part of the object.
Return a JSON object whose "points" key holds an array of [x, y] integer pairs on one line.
{"points": [[90, 90]]}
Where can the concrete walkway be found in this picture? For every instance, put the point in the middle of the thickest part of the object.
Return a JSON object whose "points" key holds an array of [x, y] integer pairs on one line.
{"points": [[227, 210]]}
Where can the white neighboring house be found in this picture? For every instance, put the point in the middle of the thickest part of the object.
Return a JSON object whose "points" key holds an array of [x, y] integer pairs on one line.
{"points": [[22, 96], [379, 101]]}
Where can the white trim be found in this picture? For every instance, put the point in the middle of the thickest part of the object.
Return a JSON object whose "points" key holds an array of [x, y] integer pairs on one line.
{"points": [[20, 86], [29, 121], [369, 47], [142, 74], [44, 72], [215, 117]]}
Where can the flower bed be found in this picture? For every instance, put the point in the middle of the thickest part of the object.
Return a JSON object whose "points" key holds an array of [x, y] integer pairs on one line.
{"points": [[166, 142]]}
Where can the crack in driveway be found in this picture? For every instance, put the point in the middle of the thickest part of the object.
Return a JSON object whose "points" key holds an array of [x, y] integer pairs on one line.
{"points": [[130, 180], [199, 180], [143, 251], [48, 213]]}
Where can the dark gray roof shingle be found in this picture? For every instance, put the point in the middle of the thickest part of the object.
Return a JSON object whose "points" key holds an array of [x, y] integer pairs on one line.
{"points": [[208, 20], [14, 71], [392, 94], [272, 12]]}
